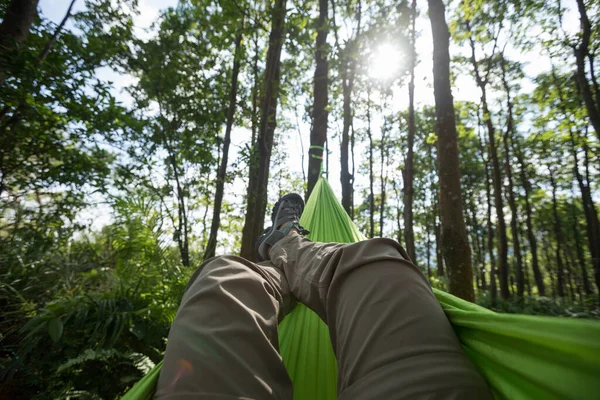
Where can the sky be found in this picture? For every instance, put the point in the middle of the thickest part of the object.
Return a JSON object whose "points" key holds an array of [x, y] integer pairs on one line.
{"points": [[384, 58]]}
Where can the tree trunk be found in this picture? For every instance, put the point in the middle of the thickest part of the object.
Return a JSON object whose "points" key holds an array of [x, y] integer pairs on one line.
{"points": [[587, 287], [259, 171], [348, 75], [439, 260], [547, 249], [489, 224], [582, 52], [409, 235], [594, 224], [514, 219], [255, 91], [14, 30], [560, 272], [222, 173], [589, 211], [496, 177], [382, 182], [537, 273], [456, 249], [320, 112], [371, 183]]}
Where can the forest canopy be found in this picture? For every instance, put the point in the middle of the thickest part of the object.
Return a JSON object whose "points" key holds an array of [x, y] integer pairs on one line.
{"points": [[141, 137]]}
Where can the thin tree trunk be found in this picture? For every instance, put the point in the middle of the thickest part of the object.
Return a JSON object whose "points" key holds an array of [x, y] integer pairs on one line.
{"points": [[222, 173], [456, 249], [594, 226], [382, 182], [560, 272], [439, 260], [514, 218], [255, 90], [371, 190], [320, 112], [259, 171], [409, 235], [428, 244], [348, 75], [589, 211], [496, 177], [547, 249], [582, 52], [537, 273], [14, 30], [587, 287], [489, 224]]}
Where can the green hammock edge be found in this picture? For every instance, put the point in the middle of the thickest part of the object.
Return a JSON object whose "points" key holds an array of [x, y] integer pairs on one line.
{"points": [[520, 356]]}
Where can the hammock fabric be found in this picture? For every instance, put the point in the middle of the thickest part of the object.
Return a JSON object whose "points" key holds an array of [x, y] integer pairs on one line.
{"points": [[521, 357]]}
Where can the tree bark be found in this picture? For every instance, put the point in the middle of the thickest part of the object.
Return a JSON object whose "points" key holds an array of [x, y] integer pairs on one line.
{"points": [[560, 272], [222, 173], [582, 52], [320, 112], [348, 75], [14, 30], [587, 287], [512, 203], [259, 171], [382, 182], [591, 219], [409, 235], [489, 224], [496, 176], [456, 249], [371, 190], [255, 92], [537, 273]]}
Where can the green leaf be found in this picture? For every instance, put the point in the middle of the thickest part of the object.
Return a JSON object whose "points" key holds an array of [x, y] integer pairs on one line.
{"points": [[55, 329]]}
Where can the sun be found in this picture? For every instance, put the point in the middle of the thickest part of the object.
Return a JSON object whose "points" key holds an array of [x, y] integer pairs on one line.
{"points": [[386, 62]]}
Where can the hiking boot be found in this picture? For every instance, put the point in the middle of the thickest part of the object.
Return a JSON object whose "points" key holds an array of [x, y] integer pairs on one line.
{"points": [[287, 211]]}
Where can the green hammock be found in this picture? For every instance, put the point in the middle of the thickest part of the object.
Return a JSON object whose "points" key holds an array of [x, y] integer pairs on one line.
{"points": [[521, 357]]}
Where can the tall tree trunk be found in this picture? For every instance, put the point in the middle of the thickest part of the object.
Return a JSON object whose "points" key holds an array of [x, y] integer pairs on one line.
{"points": [[537, 273], [587, 287], [489, 224], [371, 183], [255, 92], [320, 112], [439, 259], [409, 235], [348, 75], [382, 182], [547, 248], [456, 249], [222, 173], [582, 52], [512, 203], [589, 212], [496, 176], [560, 272], [594, 224], [428, 245], [15, 27], [259, 171]]}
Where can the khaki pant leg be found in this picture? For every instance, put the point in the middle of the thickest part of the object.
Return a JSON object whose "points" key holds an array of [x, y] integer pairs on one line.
{"points": [[390, 335], [224, 341]]}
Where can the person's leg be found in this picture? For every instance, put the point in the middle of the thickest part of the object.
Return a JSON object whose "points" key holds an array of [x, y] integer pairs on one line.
{"points": [[223, 343], [390, 335]]}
